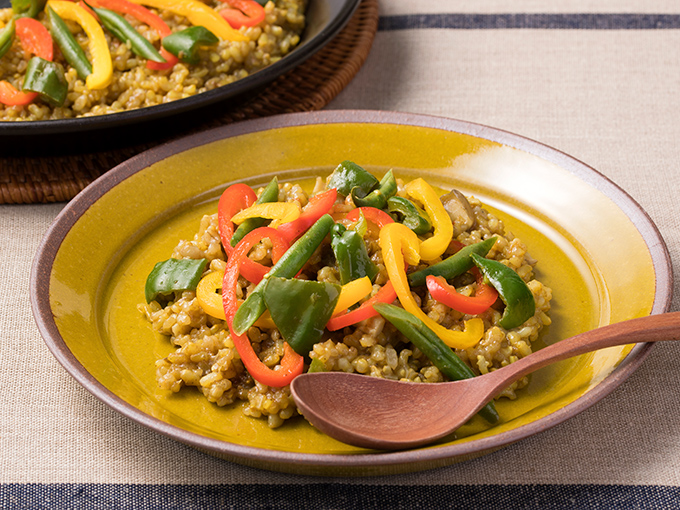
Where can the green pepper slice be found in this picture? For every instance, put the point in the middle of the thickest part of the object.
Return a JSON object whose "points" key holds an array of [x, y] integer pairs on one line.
{"points": [[269, 194], [28, 8], [434, 348], [73, 53], [300, 309], [377, 198], [47, 79], [348, 175], [454, 265], [125, 32], [173, 274], [288, 266], [406, 212], [351, 255], [186, 43], [7, 37], [513, 291]]}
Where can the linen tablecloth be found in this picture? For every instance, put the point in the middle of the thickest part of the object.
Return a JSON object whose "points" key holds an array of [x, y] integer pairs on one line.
{"points": [[598, 80]]}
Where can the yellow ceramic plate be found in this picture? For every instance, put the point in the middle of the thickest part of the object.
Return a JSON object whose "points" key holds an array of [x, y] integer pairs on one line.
{"points": [[597, 250]]}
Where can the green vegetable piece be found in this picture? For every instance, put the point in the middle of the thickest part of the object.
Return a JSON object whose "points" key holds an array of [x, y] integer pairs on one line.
{"points": [[28, 8], [348, 175], [68, 45], [269, 194], [37, 6], [351, 255], [378, 197], [173, 274], [316, 365], [47, 79], [20, 6], [186, 43], [125, 32], [434, 348], [7, 37], [455, 265], [406, 212], [287, 267], [300, 309], [513, 291]]}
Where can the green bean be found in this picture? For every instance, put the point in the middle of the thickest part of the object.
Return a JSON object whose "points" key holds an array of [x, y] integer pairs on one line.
{"points": [[7, 37], [434, 348], [454, 265], [123, 31], [68, 45]]}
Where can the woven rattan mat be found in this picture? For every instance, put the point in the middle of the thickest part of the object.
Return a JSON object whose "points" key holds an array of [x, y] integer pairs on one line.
{"points": [[308, 87]]}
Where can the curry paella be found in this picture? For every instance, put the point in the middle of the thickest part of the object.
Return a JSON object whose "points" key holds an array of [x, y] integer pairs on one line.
{"points": [[63, 59], [446, 263]]}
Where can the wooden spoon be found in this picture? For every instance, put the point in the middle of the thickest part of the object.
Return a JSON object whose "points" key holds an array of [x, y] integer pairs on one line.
{"points": [[385, 414]]}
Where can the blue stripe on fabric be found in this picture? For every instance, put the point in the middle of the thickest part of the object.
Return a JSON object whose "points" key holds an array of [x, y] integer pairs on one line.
{"points": [[531, 21], [335, 496]]}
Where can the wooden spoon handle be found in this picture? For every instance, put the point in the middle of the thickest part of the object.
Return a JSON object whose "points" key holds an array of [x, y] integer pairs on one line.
{"points": [[652, 328]]}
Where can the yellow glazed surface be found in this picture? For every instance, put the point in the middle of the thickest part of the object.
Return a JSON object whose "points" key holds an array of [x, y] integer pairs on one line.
{"points": [[557, 214]]}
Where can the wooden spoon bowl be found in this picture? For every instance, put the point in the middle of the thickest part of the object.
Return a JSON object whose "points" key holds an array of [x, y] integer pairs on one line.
{"points": [[386, 414]]}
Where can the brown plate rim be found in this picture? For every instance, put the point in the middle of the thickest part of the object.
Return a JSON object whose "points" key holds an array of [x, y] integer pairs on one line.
{"points": [[350, 463]]}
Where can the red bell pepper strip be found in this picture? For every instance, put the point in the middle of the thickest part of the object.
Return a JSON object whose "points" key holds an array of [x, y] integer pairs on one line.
{"points": [[373, 214], [10, 96], [441, 291], [234, 198], [318, 206], [243, 13], [144, 15], [386, 294], [35, 38], [292, 363]]}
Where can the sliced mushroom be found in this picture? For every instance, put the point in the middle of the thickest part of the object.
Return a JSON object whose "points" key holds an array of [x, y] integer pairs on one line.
{"points": [[459, 210]]}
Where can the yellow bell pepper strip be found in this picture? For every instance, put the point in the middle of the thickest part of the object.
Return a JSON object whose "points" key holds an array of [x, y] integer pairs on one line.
{"points": [[209, 296], [198, 14], [270, 193], [365, 311], [433, 247], [284, 212], [353, 292], [292, 364], [102, 66], [398, 244]]}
